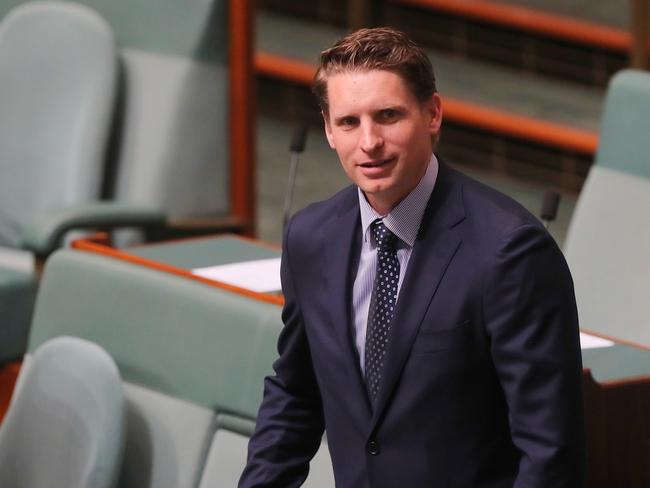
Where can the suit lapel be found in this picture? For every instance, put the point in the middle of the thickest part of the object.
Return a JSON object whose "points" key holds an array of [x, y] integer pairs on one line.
{"points": [[342, 238], [433, 250]]}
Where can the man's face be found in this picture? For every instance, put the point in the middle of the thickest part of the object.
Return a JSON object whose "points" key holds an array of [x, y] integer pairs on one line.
{"points": [[381, 133]]}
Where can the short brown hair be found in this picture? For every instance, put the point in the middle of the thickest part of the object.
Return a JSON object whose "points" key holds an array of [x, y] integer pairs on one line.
{"points": [[379, 48]]}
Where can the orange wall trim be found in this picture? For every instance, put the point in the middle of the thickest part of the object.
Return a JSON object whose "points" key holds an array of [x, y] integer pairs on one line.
{"points": [[96, 244], [284, 68], [493, 120], [519, 126], [530, 20]]}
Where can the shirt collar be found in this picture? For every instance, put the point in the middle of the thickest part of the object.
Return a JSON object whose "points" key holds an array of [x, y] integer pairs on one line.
{"points": [[403, 220]]}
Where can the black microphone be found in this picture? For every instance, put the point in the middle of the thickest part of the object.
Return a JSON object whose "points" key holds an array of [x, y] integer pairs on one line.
{"points": [[296, 146], [550, 205], [298, 139]]}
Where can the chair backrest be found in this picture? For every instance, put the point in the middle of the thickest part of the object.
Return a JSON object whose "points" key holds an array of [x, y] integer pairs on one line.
{"points": [[608, 242], [172, 148], [64, 426], [624, 141], [58, 73], [188, 352], [175, 328]]}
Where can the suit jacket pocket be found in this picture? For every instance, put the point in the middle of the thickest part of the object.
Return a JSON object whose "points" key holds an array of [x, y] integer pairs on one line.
{"points": [[440, 340]]}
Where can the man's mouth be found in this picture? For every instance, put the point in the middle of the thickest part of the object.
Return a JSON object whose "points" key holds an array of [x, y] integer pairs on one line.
{"points": [[376, 164]]}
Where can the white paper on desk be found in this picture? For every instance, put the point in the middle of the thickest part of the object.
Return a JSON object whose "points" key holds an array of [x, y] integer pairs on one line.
{"points": [[262, 275], [588, 341]]}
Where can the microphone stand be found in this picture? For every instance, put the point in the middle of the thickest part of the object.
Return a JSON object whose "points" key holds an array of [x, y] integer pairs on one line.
{"points": [[297, 146]]}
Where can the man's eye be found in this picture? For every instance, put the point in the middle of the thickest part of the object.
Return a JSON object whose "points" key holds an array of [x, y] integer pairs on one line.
{"points": [[348, 121], [389, 114]]}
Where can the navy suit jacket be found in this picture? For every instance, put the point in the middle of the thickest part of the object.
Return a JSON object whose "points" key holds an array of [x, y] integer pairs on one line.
{"points": [[482, 382]]}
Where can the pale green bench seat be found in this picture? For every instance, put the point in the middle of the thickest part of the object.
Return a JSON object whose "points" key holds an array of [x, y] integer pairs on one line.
{"points": [[192, 356]]}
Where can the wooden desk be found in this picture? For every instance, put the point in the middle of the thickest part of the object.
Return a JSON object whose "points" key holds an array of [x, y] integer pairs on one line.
{"points": [[181, 256], [617, 406], [208, 251], [616, 379]]}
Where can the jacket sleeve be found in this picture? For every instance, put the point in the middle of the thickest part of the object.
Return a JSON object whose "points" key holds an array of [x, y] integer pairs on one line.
{"points": [[290, 419], [530, 314]]}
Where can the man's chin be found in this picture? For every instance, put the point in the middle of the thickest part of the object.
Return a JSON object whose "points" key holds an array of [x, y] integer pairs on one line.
{"points": [[374, 189]]}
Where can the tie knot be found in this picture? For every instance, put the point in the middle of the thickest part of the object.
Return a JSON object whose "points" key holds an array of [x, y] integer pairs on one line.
{"points": [[384, 238]]}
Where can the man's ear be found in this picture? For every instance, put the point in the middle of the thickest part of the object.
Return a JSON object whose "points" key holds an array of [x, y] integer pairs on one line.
{"points": [[434, 111], [328, 129]]}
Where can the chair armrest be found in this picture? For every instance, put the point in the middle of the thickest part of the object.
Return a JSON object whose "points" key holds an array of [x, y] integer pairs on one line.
{"points": [[44, 234]]}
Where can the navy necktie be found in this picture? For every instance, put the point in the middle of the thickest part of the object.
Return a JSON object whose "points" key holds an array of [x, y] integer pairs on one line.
{"points": [[382, 304]]}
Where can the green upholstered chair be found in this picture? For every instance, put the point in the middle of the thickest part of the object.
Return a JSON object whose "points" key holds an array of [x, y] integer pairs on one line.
{"points": [[65, 424], [608, 243], [173, 131], [58, 71], [192, 358], [170, 160]]}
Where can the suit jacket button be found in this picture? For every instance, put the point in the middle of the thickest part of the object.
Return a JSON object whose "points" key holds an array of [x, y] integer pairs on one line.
{"points": [[373, 447]]}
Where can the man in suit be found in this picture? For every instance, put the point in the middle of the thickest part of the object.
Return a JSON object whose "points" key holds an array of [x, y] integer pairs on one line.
{"points": [[430, 321]]}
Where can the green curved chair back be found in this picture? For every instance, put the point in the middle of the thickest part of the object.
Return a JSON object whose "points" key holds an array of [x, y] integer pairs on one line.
{"points": [[170, 149], [58, 73], [193, 358], [172, 142], [174, 335], [188, 352], [608, 243], [65, 423], [624, 135]]}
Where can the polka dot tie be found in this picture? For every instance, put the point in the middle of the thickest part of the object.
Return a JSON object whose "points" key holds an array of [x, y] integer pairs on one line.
{"points": [[382, 304]]}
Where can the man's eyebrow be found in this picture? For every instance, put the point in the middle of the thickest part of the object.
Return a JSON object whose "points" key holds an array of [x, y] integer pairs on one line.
{"points": [[392, 106], [387, 106]]}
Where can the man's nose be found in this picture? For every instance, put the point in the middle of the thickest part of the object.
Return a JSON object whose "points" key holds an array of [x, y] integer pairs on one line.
{"points": [[371, 138]]}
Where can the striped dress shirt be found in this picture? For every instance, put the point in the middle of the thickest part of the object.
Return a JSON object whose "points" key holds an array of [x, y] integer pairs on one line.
{"points": [[403, 221]]}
